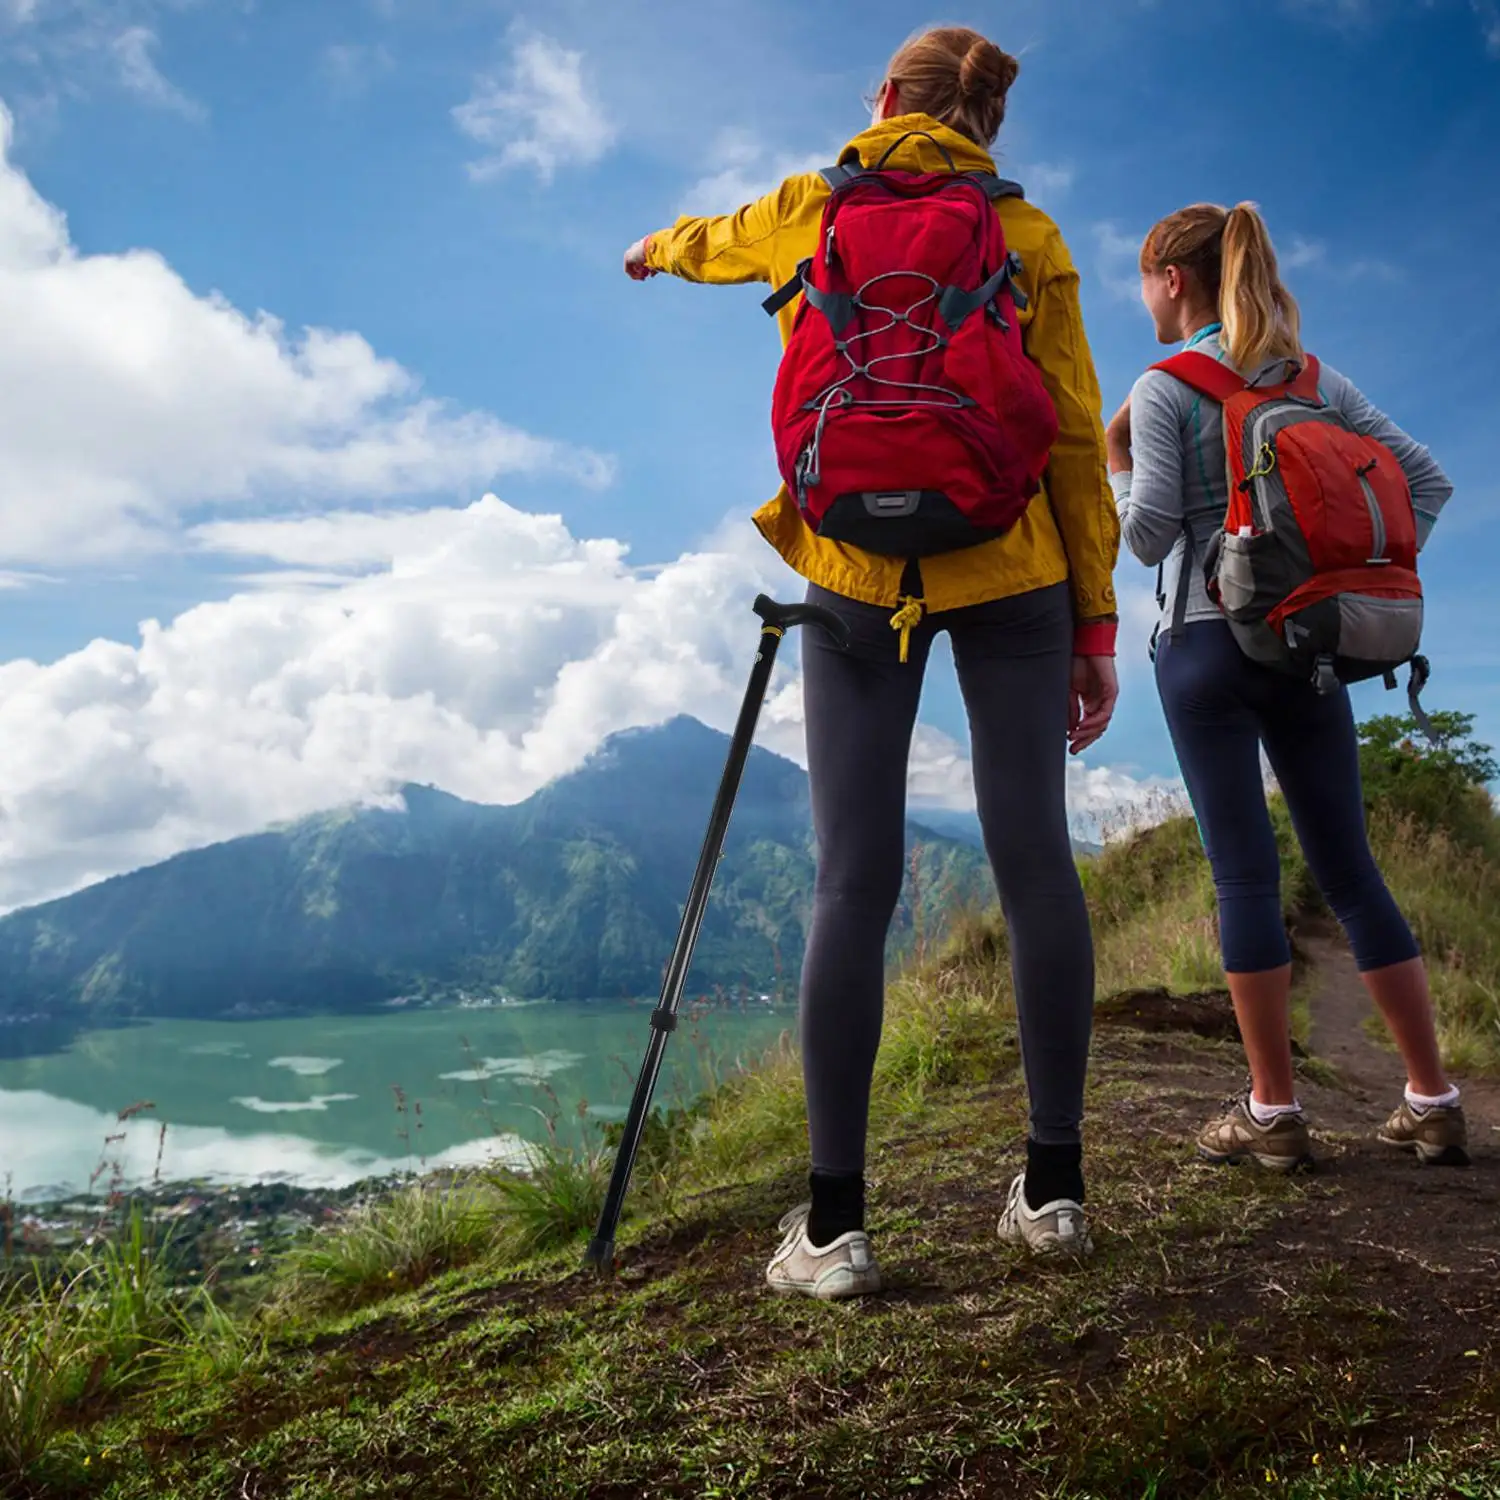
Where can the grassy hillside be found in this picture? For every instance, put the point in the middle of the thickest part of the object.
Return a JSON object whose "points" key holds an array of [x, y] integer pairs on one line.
{"points": [[1237, 1334]]}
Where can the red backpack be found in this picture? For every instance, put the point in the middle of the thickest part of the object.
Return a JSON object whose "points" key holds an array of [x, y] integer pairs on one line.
{"points": [[1315, 567], [907, 418]]}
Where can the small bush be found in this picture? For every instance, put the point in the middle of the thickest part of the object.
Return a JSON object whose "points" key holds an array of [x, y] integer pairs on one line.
{"points": [[392, 1244], [132, 1314], [556, 1199], [44, 1363]]}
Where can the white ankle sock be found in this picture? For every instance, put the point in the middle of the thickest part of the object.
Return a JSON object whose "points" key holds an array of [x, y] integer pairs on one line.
{"points": [[1421, 1103], [1268, 1114]]}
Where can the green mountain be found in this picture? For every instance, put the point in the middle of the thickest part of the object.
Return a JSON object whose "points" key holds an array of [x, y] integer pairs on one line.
{"points": [[575, 893]]}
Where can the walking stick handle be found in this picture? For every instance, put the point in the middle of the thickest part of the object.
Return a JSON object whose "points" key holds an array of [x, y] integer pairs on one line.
{"points": [[786, 616]]}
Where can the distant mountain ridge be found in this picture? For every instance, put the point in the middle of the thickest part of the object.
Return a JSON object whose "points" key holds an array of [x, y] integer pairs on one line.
{"points": [[575, 893]]}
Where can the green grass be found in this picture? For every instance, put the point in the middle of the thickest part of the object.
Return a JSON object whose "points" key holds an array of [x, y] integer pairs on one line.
{"points": [[392, 1244], [43, 1361], [442, 1341], [558, 1199]]}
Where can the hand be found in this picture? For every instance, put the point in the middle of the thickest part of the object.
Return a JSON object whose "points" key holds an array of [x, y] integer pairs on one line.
{"points": [[1091, 700], [1117, 439], [635, 261]]}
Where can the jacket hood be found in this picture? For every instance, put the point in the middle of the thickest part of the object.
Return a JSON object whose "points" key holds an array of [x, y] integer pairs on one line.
{"points": [[919, 153]]}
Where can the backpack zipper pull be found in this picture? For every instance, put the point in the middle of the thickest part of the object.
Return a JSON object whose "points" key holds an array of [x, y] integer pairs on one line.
{"points": [[828, 251]]}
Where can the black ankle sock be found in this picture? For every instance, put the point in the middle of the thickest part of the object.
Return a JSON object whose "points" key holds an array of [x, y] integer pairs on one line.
{"points": [[838, 1205], [1053, 1172]]}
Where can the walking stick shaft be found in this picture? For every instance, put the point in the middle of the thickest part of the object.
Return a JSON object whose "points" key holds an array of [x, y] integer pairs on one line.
{"points": [[664, 1019]]}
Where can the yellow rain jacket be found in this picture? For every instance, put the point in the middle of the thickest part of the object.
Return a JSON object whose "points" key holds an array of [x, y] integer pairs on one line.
{"points": [[1070, 531]]}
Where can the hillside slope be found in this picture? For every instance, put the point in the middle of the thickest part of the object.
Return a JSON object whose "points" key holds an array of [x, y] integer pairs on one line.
{"points": [[1238, 1334]]}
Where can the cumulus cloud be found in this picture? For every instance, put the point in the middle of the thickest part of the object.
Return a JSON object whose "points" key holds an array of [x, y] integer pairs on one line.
{"points": [[543, 116], [742, 168], [129, 400], [485, 650]]}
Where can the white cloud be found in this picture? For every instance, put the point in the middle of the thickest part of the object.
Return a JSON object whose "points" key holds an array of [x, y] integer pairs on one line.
{"points": [[1118, 259], [545, 115], [1046, 181], [129, 400], [1303, 253], [742, 168], [132, 50], [485, 650], [1101, 798], [77, 45]]}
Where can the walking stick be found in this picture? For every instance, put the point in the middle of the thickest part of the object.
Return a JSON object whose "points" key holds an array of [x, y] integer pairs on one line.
{"points": [[776, 620]]}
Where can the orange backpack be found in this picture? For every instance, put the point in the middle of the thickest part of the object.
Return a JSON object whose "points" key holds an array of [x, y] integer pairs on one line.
{"points": [[1315, 567]]}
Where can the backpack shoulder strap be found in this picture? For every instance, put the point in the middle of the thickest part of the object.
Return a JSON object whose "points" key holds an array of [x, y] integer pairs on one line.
{"points": [[841, 172], [1203, 373], [995, 187], [836, 176], [1305, 386]]}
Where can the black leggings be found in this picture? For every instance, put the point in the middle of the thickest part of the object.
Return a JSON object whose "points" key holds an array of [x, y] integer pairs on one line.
{"points": [[1013, 658], [1221, 708]]}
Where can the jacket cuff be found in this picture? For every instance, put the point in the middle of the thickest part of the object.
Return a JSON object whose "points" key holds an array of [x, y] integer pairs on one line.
{"points": [[657, 256], [1095, 638]]}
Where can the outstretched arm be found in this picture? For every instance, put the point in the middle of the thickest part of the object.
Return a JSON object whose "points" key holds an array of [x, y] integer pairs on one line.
{"points": [[726, 249]]}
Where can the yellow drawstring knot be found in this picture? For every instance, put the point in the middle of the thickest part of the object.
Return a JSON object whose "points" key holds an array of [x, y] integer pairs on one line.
{"points": [[905, 618]]}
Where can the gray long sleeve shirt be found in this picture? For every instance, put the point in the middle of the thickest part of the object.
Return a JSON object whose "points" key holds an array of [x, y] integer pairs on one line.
{"points": [[1178, 481]]}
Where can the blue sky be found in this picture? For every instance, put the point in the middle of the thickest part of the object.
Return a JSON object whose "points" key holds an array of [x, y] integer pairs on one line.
{"points": [[441, 190]]}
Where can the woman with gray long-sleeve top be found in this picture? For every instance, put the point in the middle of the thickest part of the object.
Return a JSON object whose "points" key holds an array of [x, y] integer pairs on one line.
{"points": [[1210, 281]]}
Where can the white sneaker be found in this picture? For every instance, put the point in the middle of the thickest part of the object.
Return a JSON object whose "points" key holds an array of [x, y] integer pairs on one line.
{"points": [[1056, 1228], [844, 1268]]}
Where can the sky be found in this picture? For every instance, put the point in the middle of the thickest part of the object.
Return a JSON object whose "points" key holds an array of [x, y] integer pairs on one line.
{"points": [[336, 452]]}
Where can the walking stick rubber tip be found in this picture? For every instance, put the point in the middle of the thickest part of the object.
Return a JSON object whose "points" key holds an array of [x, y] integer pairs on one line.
{"points": [[601, 1256]]}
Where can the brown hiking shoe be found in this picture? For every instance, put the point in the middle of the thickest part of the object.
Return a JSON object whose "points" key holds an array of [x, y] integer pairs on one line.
{"points": [[1439, 1136], [843, 1268], [1233, 1137]]}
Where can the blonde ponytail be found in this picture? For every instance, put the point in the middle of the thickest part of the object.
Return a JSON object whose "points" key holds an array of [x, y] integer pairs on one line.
{"points": [[1231, 254], [1260, 317]]}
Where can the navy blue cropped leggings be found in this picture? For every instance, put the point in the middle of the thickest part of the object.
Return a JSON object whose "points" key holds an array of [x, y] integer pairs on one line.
{"points": [[1221, 707]]}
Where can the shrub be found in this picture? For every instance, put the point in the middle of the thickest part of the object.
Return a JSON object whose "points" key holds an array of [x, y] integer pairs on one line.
{"points": [[392, 1244], [1435, 784]]}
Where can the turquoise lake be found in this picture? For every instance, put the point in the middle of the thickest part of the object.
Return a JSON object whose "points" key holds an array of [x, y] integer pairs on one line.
{"points": [[325, 1101]]}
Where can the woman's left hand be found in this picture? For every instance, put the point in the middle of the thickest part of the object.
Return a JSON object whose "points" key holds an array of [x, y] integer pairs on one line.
{"points": [[1091, 700]]}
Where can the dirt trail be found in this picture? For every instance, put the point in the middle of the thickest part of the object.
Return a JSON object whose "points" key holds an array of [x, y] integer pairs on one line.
{"points": [[1372, 1074]]}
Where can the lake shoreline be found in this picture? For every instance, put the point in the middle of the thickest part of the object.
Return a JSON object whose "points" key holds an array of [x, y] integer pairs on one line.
{"points": [[205, 1230]]}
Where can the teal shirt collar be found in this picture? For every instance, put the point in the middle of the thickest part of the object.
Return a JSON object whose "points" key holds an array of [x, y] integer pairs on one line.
{"points": [[1206, 332]]}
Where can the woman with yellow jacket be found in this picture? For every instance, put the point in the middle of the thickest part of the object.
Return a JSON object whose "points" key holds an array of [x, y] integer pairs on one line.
{"points": [[1031, 617]]}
